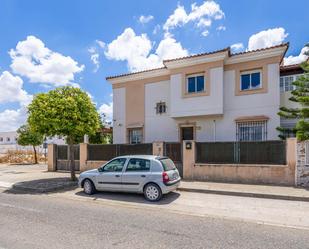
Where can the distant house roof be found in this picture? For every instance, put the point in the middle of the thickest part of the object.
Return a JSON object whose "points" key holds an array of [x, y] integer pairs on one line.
{"points": [[227, 50], [290, 69]]}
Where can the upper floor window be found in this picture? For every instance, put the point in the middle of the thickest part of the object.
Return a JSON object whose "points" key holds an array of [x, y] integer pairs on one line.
{"points": [[8, 139], [286, 82], [250, 80], [195, 83], [161, 108], [1, 139]]}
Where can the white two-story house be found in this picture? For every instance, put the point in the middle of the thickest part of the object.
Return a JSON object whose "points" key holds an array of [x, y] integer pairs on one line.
{"points": [[217, 96]]}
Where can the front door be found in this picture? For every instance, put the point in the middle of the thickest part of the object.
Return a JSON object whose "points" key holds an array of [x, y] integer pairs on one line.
{"points": [[136, 174], [110, 175], [187, 133]]}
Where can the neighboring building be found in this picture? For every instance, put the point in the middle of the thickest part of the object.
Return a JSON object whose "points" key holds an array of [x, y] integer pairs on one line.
{"points": [[215, 96], [288, 74], [8, 141]]}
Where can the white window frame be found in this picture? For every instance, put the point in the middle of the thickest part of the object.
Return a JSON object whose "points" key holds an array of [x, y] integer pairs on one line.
{"points": [[195, 75], [251, 72], [282, 89], [130, 131]]}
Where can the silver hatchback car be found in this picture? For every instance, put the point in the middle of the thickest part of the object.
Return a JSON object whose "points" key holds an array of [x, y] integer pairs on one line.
{"points": [[151, 175]]}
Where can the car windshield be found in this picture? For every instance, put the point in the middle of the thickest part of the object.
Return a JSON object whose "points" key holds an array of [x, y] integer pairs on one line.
{"points": [[167, 164]]}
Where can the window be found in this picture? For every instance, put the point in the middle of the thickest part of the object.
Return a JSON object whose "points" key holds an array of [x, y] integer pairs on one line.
{"points": [[250, 80], [115, 165], [8, 139], [195, 83], [161, 108], [252, 131], [135, 136], [167, 164], [187, 133], [1, 139], [138, 165], [286, 82]]}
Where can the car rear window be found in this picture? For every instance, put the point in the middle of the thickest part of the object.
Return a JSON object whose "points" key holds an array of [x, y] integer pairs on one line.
{"points": [[167, 164]]}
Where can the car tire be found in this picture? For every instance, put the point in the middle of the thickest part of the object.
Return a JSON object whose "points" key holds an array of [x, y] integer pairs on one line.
{"points": [[89, 188], [152, 192]]}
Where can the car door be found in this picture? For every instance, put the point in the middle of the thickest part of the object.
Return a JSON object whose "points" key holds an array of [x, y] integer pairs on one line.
{"points": [[136, 174], [110, 174]]}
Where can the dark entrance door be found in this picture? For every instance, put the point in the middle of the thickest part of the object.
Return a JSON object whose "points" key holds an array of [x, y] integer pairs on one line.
{"points": [[187, 133]]}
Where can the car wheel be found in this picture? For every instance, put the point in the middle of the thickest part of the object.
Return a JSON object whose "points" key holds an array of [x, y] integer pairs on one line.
{"points": [[89, 188], [152, 192]]}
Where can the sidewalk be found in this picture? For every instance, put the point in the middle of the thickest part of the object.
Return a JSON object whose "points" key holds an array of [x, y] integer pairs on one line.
{"points": [[246, 190]]}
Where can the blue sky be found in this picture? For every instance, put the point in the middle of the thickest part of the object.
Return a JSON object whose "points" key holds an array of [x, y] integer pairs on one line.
{"points": [[78, 42]]}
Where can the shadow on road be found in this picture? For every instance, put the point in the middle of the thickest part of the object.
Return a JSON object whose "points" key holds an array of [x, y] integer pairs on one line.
{"points": [[130, 197], [43, 186]]}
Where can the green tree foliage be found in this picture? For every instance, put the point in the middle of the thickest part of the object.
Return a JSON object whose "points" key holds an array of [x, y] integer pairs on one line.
{"points": [[301, 96], [27, 137], [65, 111]]}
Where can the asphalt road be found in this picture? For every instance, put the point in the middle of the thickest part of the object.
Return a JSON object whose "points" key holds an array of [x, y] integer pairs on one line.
{"points": [[41, 221]]}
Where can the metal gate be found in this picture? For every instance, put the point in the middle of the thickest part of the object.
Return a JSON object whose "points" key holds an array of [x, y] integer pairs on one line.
{"points": [[174, 152], [62, 158]]}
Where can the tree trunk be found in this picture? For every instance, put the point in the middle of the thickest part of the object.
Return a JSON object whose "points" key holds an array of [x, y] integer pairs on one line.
{"points": [[71, 160], [35, 155]]}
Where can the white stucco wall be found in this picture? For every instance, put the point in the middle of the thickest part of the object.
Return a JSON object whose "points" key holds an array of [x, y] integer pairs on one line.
{"points": [[119, 115], [249, 105], [197, 106], [159, 127], [213, 115]]}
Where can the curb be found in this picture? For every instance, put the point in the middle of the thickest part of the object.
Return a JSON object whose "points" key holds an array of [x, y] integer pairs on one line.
{"points": [[245, 194]]}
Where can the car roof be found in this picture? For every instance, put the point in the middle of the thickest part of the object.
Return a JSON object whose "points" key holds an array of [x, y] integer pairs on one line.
{"points": [[149, 157]]}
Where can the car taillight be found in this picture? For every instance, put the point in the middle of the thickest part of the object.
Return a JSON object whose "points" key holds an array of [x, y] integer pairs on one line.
{"points": [[165, 177]]}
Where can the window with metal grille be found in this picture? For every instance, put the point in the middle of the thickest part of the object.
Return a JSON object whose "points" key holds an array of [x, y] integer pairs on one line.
{"points": [[161, 108], [251, 131]]}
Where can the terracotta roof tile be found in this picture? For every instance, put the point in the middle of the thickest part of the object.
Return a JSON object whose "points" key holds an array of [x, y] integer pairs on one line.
{"points": [[126, 74], [261, 49], [197, 55]]}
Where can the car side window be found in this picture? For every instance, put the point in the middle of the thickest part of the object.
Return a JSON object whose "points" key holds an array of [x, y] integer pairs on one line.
{"points": [[115, 165], [136, 164]]}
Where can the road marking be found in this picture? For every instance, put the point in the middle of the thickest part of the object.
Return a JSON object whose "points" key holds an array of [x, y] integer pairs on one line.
{"points": [[6, 185], [22, 208]]}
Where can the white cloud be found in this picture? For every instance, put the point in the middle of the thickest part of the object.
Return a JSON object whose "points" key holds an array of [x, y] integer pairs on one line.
{"points": [[94, 57], [156, 29], [11, 120], [205, 33], [290, 60], [100, 43], [39, 64], [11, 89], [135, 49], [95, 54], [202, 15], [236, 47], [221, 28], [145, 19], [107, 110], [267, 38]]}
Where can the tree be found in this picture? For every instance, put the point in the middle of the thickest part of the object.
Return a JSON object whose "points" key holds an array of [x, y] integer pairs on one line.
{"points": [[300, 95], [28, 137], [65, 111]]}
